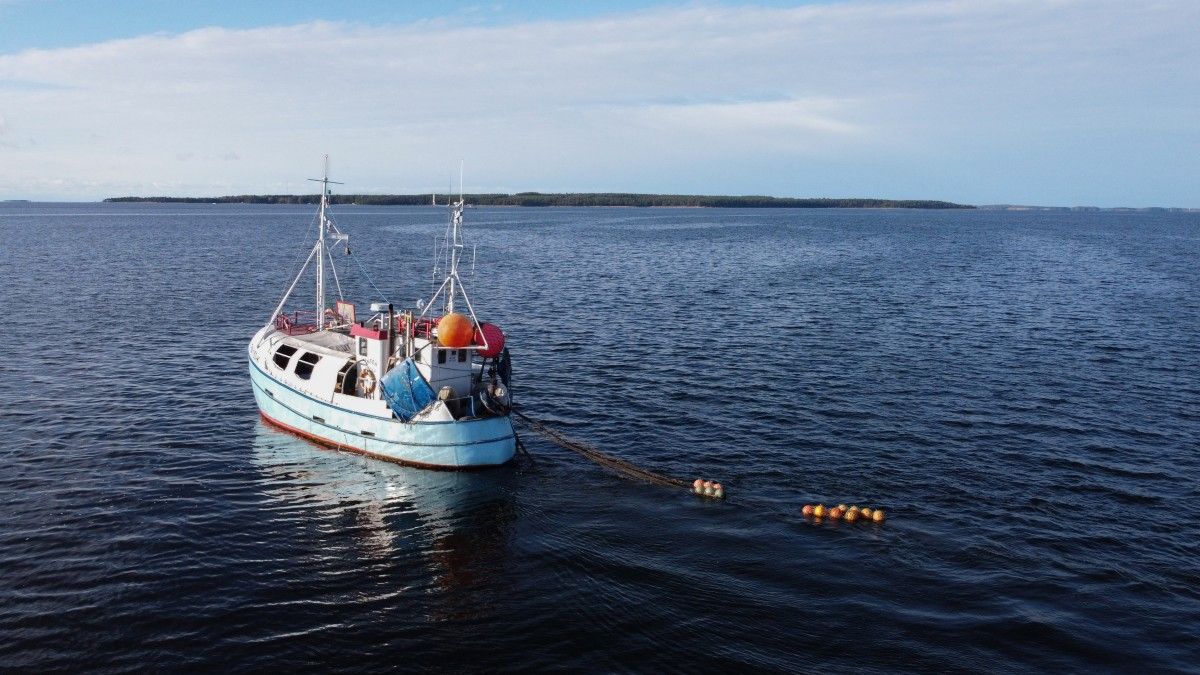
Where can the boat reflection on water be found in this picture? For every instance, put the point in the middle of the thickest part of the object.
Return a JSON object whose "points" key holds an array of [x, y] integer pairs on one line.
{"points": [[457, 524]]}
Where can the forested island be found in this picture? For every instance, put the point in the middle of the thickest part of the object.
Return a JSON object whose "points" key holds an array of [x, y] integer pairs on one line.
{"points": [[569, 199]]}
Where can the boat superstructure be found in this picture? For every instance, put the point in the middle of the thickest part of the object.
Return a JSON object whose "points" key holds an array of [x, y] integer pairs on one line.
{"points": [[427, 387]]}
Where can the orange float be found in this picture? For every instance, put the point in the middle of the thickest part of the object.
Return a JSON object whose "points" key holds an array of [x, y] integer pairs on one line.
{"points": [[836, 513], [819, 511], [877, 515], [807, 510], [455, 331]]}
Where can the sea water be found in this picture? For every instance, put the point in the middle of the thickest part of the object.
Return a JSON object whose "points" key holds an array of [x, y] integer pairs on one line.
{"points": [[1019, 391]]}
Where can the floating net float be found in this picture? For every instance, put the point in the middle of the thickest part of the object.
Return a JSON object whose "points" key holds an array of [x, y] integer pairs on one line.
{"points": [[850, 514], [707, 488]]}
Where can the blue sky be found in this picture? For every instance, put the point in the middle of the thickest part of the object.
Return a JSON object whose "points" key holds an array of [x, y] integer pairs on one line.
{"points": [[44, 24], [980, 101]]}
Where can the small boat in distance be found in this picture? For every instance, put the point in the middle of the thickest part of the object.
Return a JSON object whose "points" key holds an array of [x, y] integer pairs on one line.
{"points": [[426, 387]]}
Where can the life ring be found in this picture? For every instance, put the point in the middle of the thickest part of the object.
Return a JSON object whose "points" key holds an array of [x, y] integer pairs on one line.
{"points": [[366, 381]]}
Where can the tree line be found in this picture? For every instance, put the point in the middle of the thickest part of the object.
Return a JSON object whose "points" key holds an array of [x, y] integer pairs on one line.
{"points": [[571, 199]]}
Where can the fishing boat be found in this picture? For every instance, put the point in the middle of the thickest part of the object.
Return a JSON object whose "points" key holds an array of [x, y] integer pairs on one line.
{"points": [[427, 387]]}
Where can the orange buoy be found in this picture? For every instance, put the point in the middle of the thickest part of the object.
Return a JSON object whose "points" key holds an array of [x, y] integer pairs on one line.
{"points": [[455, 331], [836, 513], [698, 487], [851, 516], [807, 510], [877, 515], [819, 511], [865, 512]]}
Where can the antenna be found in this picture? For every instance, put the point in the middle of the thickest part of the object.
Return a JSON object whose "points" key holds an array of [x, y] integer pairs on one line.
{"points": [[325, 180]]}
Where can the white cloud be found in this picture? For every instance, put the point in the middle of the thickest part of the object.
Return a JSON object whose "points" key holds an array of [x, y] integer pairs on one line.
{"points": [[886, 98], [771, 117]]}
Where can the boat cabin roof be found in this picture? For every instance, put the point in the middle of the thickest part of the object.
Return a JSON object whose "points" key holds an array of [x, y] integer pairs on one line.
{"points": [[326, 342]]}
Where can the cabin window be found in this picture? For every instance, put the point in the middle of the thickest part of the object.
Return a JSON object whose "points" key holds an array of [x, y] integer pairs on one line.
{"points": [[304, 365], [441, 356], [283, 355], [462, 355], [362, 346]]}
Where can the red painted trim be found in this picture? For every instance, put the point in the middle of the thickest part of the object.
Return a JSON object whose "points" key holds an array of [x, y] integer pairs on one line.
{"points": [[325, 442], [362, 331]]}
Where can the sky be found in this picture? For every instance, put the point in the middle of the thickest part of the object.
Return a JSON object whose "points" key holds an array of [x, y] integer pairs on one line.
{"points": [[1049, 102]]}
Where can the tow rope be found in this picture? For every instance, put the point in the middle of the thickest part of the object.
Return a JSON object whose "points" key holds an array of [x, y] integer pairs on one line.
{"points": [[619, 466]]}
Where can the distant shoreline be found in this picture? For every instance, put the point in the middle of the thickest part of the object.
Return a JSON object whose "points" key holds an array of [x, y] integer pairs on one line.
{"points": [[535, 199]]}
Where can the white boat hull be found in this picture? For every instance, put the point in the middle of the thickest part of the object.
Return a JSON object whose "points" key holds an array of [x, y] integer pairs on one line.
{"points": [[462, 444]]}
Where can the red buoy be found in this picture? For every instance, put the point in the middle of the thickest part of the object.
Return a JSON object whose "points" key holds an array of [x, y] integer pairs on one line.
{"points": [[494, 338]]}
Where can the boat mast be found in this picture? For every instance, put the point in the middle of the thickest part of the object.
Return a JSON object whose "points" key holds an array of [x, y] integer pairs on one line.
{"points": [[455, 247], [322, 224], [450, 251], [456, 243], [321, 250]]}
